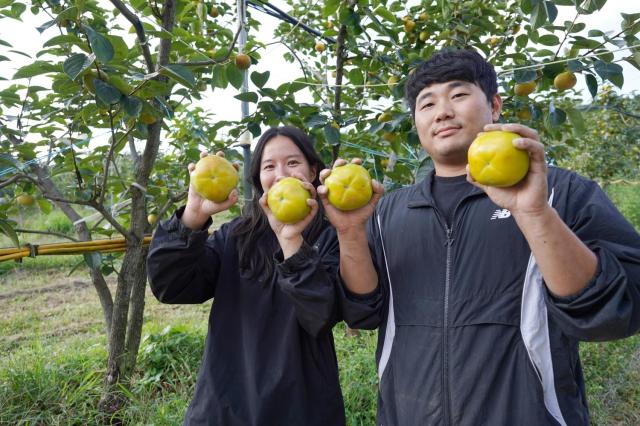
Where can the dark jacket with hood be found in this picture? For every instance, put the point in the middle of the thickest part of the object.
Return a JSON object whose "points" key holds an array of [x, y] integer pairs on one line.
{"points": [[468, 332], [269, 357]]}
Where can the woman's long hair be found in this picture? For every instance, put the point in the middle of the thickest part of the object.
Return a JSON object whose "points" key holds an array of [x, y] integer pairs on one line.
{"points": [[256, 241]]}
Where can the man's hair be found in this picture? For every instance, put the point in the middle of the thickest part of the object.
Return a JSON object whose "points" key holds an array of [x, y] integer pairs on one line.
{"points": [[449, 65]]}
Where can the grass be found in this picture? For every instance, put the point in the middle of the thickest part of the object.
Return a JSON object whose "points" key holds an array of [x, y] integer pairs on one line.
{"points": [[52, 370]]}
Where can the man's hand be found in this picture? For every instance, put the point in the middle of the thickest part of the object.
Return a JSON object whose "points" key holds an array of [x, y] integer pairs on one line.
{"points": [[346, 221], [529, 196], [199, 209]]}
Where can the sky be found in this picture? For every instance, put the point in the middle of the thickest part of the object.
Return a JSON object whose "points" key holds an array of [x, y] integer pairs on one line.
{"points": [[24, 38]]}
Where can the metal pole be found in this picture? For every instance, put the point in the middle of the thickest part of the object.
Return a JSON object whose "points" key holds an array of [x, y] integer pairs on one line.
{"points": [[245, 139]]}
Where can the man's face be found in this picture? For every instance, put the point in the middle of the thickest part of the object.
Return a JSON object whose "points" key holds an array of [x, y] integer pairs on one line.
{"points": [[448, 117]]}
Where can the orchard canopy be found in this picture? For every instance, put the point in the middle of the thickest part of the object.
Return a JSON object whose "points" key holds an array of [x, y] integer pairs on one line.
{"points": [[120, 83]]}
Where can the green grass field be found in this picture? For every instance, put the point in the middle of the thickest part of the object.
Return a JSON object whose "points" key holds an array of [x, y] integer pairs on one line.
{"points": [[53, 355]]}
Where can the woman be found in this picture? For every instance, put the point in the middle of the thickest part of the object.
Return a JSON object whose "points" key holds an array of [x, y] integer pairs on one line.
{"points": [[269, 357]]}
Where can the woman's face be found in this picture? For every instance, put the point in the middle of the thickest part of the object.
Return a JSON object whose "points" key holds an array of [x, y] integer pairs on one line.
{"points": [[282, 158]]}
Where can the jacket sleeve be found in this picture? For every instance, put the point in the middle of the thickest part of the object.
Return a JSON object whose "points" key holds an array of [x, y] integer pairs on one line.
{"points": [[609, 306], [364, 311], [183, 265], [308, 278]]}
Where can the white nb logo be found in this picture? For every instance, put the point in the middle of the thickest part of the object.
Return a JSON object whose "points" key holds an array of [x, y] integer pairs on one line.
{"points": [[501, 214]]}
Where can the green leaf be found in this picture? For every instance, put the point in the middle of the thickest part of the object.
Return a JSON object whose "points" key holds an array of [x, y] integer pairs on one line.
{"points": [[254, 128], [100, 45], [259, 79], [182, 75], [355, 77], [36, 68], [522, 40], [577, 121], [93, 259], [106, 92], [330, 7], [524, 76], [577, 27], [70, 13], [552, 11], [45, 206], [4, 58], [120, 48], [316, 120], [219, 77], [384, 13], [247, 97], [77, 64], [549, 40], [538, 14], [42, 28], [592, 85], [234, 75], [556, 116], [132, 106], [526, 6], [332, 134], [610, 71], [64, 40], [17, 9], [6, 229]]}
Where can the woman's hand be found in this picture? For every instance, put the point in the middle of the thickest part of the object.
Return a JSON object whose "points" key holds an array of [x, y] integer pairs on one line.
{"points": [[289, 235], [199, 209]]}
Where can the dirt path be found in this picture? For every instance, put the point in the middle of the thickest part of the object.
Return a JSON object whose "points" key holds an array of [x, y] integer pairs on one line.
{"points": [[49, 289]]}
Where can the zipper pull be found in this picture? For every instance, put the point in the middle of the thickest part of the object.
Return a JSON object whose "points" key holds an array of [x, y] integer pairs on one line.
{"points": [[449, 241]]}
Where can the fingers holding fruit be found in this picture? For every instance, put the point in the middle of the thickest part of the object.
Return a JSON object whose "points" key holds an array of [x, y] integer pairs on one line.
{"points": [[507, 162], [348, 194], [290, 206], [212, 184]]}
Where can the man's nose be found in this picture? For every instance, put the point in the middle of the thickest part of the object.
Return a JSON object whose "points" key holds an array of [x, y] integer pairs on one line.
{"points": [[444, 111]]}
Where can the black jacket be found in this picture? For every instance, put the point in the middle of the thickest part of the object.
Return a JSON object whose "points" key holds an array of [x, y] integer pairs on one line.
{"points": [[269, 356], [469, 334]]}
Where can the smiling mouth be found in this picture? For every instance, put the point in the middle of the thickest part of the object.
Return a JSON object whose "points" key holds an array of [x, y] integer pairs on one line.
{"points": [[447, 132]]}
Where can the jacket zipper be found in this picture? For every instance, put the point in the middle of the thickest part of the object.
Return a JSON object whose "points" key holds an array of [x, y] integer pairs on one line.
{"points": [[445, 331]]}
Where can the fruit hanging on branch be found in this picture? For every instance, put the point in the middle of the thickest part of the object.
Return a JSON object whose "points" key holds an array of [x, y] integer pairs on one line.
{"points": [[565, 80], [243, 61], [525, 89]]}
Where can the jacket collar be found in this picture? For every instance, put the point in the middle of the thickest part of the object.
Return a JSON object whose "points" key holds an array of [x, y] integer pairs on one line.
{"points": [[421, 195]]}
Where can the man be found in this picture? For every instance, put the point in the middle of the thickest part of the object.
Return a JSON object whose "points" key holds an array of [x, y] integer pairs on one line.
{"points": [[481, 293]]}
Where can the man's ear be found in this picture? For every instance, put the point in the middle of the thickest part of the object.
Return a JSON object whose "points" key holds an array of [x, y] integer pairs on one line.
{"points": [[496, 107]]}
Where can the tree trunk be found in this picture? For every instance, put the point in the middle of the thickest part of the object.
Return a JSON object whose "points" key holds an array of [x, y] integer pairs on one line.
{"points": [[48, 188]]}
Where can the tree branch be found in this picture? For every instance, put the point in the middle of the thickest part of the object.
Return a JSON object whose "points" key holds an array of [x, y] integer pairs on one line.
{"points": [[342, 36], [172, 200], [107, 160], [142, 38], [214, 61], [4, 183], [57, 234], [109, 218]]}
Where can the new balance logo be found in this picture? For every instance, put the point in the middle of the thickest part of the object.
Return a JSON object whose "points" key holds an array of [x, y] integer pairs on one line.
{"points": [[501, 214]]}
